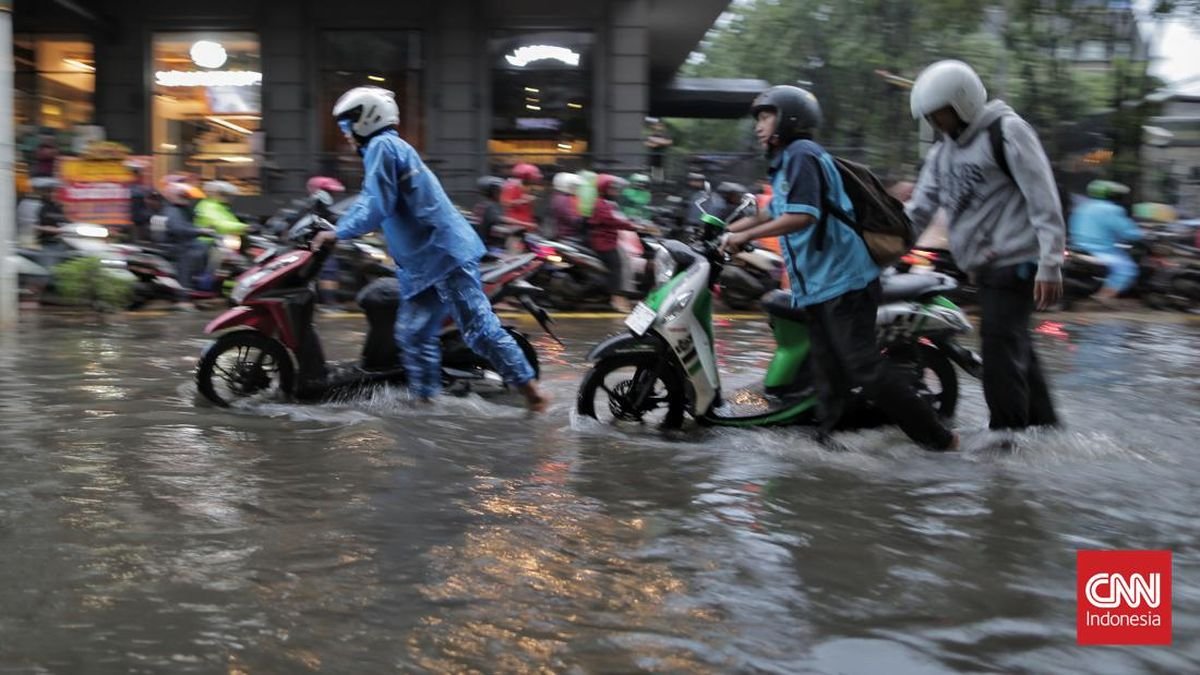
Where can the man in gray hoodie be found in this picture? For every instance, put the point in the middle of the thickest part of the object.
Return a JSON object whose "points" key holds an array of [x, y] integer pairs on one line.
{"points": [[993, 180]]}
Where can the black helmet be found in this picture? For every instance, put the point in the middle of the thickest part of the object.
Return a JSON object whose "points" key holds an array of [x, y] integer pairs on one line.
{"points": [[798, 110], [731, 188], [490, 186]]}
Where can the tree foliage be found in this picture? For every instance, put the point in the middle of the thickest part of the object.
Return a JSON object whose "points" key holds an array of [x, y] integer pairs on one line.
{"points": [[836, 48]]}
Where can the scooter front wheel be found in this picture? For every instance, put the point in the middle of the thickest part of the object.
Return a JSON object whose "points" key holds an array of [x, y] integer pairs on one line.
{"points": [[242, 365], [633, 388]]}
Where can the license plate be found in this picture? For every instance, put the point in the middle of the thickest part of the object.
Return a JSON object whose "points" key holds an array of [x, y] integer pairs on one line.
{"points": [[641, 318]]}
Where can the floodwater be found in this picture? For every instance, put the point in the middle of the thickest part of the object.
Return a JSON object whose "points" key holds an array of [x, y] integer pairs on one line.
{"points": [[142, 532]]}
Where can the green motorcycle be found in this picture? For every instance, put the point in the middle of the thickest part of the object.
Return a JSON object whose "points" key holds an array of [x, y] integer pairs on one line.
{"points": [[665, 366]]}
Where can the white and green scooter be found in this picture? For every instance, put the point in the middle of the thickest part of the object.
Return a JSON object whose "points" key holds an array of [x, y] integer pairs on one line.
{"points": [[666, 364]]}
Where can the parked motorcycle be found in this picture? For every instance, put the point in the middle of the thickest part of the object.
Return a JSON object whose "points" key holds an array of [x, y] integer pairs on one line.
{"points": [[666, 365], [269, 345]]}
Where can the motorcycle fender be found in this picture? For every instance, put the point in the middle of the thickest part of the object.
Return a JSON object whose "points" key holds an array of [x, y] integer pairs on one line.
{"points": [[238, 317], [626, 344]]}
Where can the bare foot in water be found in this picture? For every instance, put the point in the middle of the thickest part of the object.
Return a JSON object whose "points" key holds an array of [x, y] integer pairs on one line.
{"points": [[535, 400]]}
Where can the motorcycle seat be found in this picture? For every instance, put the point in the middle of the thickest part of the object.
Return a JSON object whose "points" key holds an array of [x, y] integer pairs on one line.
{"points": [[900, 287], [779, 303], [494, 272]]}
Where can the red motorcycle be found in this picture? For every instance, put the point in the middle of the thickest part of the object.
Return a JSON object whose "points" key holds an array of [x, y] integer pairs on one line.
{"points": [[268, 344]]}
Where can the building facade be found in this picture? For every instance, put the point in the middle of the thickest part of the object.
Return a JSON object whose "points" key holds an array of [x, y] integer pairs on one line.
{"points": [[241, 89]]}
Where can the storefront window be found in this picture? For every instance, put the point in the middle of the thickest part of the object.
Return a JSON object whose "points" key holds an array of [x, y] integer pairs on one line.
{"points": [[208, 107], [353, 58], [541, 97], [55, 80]]}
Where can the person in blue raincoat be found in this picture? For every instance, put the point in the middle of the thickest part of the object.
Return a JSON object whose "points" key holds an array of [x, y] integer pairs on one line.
{"points": [[1099, 226], [436, 251]]}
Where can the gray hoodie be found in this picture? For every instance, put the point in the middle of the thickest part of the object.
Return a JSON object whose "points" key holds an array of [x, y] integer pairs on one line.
{"points": [[993, 221]]}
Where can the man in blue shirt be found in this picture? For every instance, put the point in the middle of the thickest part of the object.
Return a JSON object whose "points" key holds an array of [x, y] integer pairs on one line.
{"points": [[838, 286], [436, 251], [1098, 225]]}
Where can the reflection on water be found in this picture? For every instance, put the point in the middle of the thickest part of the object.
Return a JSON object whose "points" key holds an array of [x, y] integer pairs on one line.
{"points": [[141, 532]]}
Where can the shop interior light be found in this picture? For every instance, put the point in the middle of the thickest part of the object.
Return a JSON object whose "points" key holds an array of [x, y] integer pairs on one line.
{"points": [[376, 78], [575, 106], [532, 90], [564, 146], [530, 106], [526, 55], [80, 65], [207, 78], [236, 159], [168, 146], [229, 125], [208, 54]]}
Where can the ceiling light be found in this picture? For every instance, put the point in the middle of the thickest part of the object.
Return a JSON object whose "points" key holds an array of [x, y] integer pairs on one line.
{"points": [[526, 55], [80, 65], [208, 54], [376, 78], [575, 106], [529, 106]]}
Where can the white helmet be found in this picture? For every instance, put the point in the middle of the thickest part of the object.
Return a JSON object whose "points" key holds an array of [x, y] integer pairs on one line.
{"points": [[566, 182], [220, 188], [948, 83], [367, 109]]}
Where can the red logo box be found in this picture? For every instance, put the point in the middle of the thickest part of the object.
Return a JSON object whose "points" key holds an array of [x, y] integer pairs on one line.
{"points": [[1123, 597]]}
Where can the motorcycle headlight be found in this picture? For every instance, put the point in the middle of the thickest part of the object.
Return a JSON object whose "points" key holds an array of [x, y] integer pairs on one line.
{"points": [[678, 306], [664, 267], [93, 231]]}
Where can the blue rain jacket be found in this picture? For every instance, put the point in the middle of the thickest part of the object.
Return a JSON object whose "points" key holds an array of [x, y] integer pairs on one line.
{"points": [[426, 235]]}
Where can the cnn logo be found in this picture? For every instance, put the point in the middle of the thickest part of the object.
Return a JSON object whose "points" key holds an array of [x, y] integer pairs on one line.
{"points": [[1106, 590], [1123, 597]]}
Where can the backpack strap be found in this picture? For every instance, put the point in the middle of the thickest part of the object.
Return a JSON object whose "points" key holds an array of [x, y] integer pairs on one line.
{"points": [[827, 206], [996, 136]]}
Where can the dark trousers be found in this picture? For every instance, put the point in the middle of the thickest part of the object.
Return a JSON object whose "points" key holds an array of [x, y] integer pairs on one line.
{"points": [[1013, 384], [846, 358], [612, 260]]}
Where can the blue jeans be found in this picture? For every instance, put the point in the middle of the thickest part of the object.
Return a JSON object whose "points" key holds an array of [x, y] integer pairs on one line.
{"points": [[419, 324], [1122, 270]]}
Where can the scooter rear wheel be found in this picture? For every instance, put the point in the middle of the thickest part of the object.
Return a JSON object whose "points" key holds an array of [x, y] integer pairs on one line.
{"points": [[242, 365], [664, 402]]}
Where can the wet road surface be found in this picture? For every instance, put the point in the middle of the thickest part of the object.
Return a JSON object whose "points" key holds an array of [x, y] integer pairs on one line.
{"points": [[141, 532]]}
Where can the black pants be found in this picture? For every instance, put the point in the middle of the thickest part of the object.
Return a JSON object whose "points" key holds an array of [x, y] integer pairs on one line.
{"points": [[845, 358], [613, 261], [1013, 384]]}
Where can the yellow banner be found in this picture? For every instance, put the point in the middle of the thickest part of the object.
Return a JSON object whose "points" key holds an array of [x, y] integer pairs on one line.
{"points": [[76, 170]]}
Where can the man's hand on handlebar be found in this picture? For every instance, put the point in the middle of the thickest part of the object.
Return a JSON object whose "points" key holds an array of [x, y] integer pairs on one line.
{"points": [[733, 242], [322, 239]]}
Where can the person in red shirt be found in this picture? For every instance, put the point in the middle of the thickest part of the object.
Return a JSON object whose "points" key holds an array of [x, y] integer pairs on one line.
{"points": [[517, 197], [606, 221]]}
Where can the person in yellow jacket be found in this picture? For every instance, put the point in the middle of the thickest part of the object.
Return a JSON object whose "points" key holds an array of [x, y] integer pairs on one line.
{"points": [[213, 211]]}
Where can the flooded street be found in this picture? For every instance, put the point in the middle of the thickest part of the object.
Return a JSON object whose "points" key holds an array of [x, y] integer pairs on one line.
{"points": [[141, 531]]}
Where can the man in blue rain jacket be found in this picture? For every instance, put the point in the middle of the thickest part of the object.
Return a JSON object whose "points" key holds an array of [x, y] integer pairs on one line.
{"points": [[436, 251]]}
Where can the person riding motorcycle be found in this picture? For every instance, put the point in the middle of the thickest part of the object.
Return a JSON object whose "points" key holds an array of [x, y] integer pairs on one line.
{"points": [[322, 192], [185, 246], [1099, 225], [48, 221], [603, 227], [436, 252], [517, 197], [564, 207], [487, 211], [213, 212], [838, 287], [701, 200], [635, 199]]}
